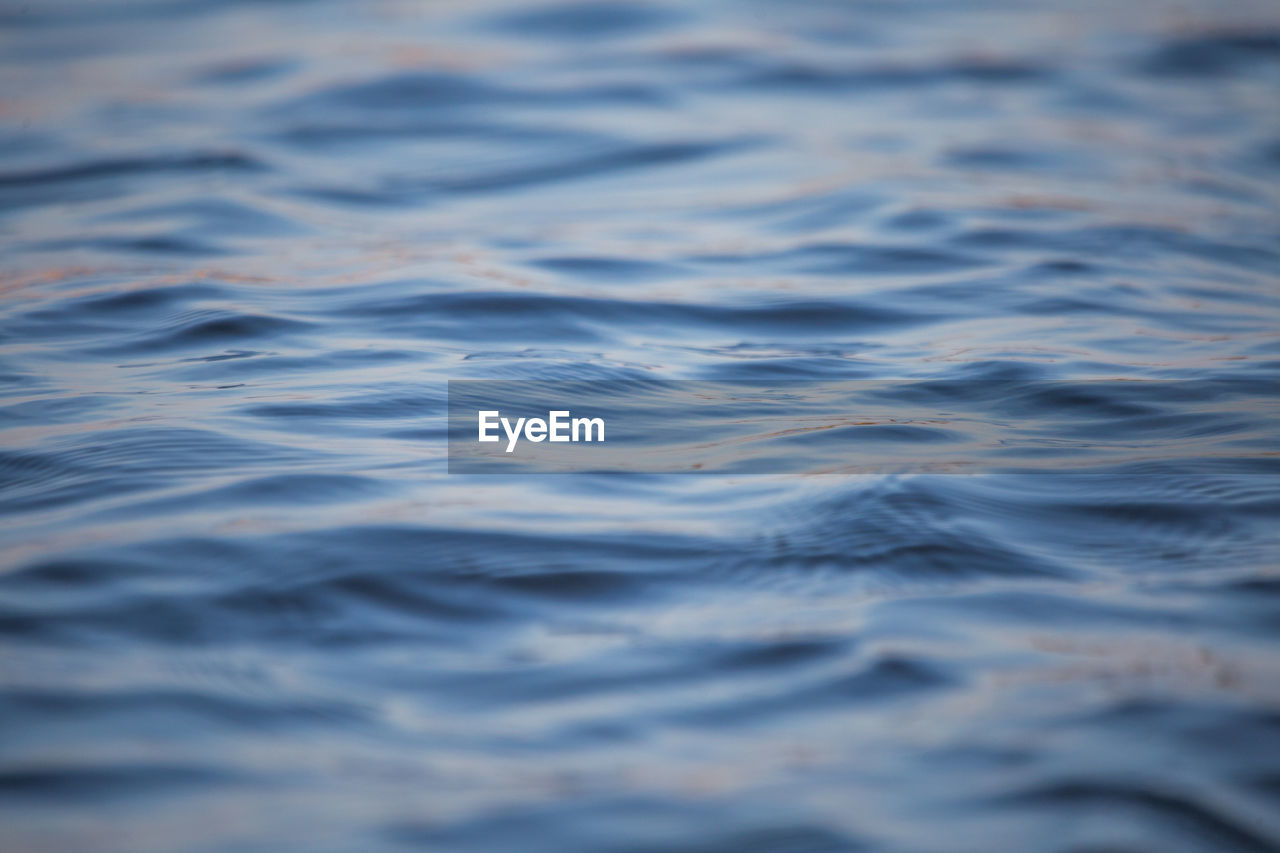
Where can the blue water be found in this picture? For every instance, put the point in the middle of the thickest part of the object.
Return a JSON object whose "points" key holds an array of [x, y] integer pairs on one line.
{"points": [[243, 607]]}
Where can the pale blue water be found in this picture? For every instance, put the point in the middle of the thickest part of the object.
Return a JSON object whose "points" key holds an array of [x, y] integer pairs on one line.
{"points": [[243, 607]]}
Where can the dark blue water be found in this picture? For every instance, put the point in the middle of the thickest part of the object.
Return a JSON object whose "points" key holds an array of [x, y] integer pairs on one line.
{"points": [[243, 607]]}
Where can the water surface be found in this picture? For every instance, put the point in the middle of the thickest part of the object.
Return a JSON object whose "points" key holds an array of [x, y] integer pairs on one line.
{"points": [[244, 607]]}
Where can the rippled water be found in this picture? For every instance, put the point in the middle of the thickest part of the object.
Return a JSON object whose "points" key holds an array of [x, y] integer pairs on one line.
{"points": [[243, 606]]}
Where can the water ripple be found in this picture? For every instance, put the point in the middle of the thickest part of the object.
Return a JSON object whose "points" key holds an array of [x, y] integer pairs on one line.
{"points": [[244, 607]]}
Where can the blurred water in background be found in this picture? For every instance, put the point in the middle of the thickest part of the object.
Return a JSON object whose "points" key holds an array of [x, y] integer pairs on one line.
{"points": [[244, 608]]}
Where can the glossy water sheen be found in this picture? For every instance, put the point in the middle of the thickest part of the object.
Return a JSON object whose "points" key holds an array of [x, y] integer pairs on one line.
{"points": [[244, 608]]}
